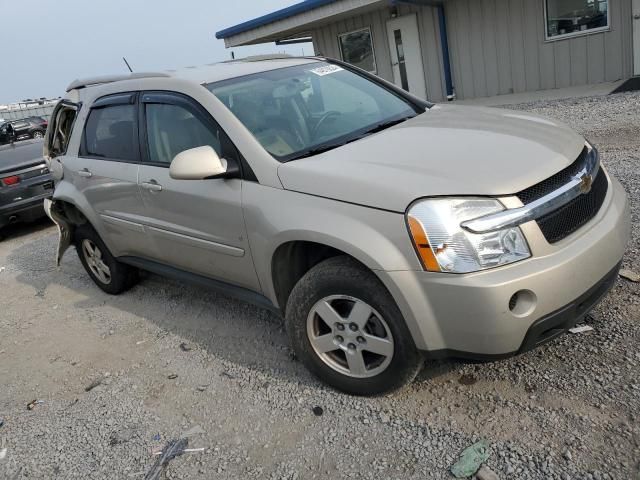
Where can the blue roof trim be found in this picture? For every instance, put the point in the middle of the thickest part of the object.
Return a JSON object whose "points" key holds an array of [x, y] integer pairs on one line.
{"points": [[287, 12]]}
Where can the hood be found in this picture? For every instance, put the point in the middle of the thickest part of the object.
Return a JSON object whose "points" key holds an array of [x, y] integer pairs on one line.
{"points": [[448, 150]]}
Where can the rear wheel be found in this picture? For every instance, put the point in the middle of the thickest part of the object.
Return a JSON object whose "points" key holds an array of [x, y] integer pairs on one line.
{"points": [[38, 134], [106, 272], [347, 329]]}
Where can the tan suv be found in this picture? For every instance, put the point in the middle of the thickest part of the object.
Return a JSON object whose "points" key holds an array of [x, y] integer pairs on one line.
{"points": [[381, 226]]}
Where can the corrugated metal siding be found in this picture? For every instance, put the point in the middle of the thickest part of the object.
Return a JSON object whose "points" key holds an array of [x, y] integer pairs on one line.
{"points": [[325, 42], [498, 47]]}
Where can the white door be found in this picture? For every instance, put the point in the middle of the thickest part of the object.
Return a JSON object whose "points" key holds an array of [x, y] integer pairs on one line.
{"points": [[406, 55], [636, 37]]}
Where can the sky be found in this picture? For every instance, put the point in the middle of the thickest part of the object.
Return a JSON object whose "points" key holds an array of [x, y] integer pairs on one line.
{"points": [[57, 41]]}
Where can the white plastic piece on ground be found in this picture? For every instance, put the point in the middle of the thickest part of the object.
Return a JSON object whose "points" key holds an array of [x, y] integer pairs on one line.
{"points": [[3, 453], [630, 275], [581, 329]]}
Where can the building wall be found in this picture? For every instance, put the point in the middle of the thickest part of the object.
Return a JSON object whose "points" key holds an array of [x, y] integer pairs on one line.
{"points": [[498, 47], [30, 111], [325, 42]]}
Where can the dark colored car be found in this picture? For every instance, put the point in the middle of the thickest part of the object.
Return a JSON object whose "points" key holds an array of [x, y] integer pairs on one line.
{"points": [[25, 182], [30, 127]]}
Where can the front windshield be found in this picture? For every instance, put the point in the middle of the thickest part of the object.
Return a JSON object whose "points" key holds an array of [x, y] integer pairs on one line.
{"points": [[298, 111]]}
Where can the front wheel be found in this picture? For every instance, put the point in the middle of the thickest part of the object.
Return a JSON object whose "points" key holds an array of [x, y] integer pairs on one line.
{"points": [[346, 328]]}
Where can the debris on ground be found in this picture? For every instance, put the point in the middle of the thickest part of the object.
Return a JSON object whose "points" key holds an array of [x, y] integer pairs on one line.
{"points": [[32, 404], [467, 379], [140, 342], [171, 450], [318, 411], [186, 450], [471, 459], [93, 385], [185, 347], [121, 436], [1, 269], [202, 388], [228, 375], [630, 275], [3, 453], [196, 430], [485, 473], [156, 437], [1, 422], [172, 376], [581, 329]]}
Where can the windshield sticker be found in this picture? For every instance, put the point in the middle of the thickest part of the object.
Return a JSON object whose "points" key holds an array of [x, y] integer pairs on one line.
{"points": [[326, 70]]}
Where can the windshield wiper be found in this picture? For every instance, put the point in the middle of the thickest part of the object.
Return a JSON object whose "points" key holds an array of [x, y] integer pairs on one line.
{"points": [[384, 125], [323, 147]]}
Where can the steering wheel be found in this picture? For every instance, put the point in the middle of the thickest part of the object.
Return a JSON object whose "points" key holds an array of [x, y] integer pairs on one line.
{"points": [[321, 120]]}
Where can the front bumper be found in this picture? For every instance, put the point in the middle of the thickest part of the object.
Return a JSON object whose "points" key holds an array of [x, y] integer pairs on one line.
{"points": [[470, 315]]}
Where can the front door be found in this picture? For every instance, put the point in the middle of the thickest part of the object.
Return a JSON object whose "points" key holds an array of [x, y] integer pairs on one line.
{"points": [[636, 37], [406, 55], [195, 225]]}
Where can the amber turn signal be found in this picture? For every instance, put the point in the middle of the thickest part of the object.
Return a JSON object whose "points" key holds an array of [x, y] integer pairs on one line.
{"points": [[421, 242]]}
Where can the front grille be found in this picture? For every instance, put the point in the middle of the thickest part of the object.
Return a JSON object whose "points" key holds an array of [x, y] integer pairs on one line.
{"points": [[565, 220], [570, 217]]}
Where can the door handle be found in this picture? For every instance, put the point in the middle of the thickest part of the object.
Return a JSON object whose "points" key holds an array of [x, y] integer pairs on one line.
{"points": [[636, 16], [152, 186], [85, 173]]}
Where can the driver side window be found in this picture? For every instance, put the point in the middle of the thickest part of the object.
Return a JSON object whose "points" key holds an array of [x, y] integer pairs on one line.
{"points": [[172, 129]]}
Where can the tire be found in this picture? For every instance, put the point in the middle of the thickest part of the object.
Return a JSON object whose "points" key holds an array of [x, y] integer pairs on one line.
{"points": [[38, 134], [350, 289], [110, 275]]}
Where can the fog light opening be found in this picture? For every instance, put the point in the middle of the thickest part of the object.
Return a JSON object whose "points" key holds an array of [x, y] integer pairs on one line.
{"points": [[522, 303]]}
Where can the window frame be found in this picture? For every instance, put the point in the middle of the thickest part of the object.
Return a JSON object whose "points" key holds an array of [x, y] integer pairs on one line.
{"points": [[373, 50], [565, 36], [106, 101], [165, 97], [51, 133]]}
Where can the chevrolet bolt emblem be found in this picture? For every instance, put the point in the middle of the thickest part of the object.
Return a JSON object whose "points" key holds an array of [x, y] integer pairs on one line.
{"points": [[585, 183]]}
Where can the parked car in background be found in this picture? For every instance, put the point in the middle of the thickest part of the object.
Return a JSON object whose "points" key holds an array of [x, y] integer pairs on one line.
{"points": [[25, 181], [381, 226], [30, 127]]}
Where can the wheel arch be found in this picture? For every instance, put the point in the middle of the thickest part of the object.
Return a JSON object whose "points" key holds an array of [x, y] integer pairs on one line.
{"points": [[295, 256]]}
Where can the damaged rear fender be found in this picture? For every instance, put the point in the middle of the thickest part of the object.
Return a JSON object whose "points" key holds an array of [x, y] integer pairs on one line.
{"points": [[55, 212]]}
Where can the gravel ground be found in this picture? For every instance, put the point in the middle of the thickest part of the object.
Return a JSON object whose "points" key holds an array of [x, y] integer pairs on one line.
{"points": [[167, 360]]}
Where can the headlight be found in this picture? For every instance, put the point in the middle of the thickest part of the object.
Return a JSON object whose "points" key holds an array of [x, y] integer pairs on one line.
{"points": [[443, 246]]}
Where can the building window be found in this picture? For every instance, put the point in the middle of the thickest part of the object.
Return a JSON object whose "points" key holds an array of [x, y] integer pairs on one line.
{"points": [[356, 48], [567, 18]]}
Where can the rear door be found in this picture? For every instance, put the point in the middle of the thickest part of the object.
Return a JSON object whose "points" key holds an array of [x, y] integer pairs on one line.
{"points": [[106, 172], [196, 225]]}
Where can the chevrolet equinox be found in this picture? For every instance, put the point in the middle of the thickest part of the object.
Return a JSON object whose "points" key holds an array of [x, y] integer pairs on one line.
{"points": [[382, 227]]}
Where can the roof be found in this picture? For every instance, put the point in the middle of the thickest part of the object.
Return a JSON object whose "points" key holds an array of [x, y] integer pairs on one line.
{"points": [[237, 68], [281, 14], [213, 72]]}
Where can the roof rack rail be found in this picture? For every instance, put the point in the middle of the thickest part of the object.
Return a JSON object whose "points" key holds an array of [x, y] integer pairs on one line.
{"points": [[87, 82]]}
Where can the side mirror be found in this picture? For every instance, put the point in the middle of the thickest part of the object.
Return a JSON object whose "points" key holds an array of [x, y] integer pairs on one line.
{"points": [[200, 163]]}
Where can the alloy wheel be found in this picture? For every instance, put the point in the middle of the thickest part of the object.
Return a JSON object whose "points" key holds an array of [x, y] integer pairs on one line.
{"points": [[93, 257], [350, 336]]}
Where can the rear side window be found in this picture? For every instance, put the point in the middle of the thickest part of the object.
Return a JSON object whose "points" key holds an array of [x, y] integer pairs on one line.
{"points": [[111, 132]]}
